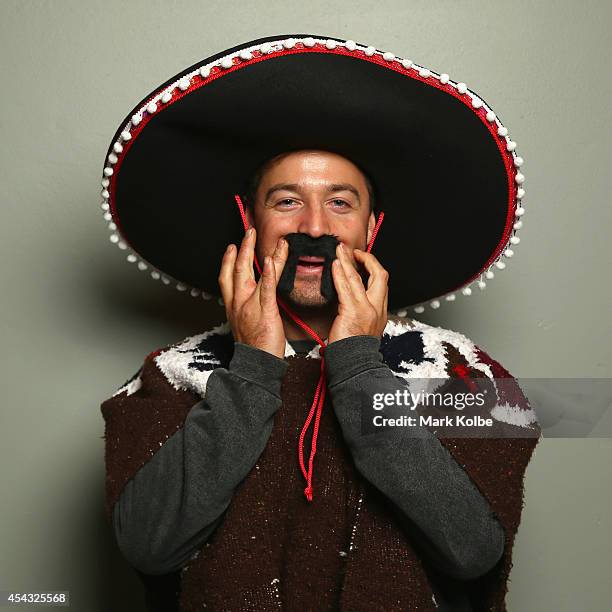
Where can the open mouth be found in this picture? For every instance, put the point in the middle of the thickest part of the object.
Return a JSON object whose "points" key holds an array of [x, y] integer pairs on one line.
{"points": [[310, 265]]}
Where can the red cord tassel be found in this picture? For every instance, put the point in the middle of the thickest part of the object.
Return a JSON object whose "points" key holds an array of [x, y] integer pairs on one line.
{"points": [[319, 397]]}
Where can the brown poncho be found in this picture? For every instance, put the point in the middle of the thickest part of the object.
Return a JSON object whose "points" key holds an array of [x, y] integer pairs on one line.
{"points": [[345, 550]]}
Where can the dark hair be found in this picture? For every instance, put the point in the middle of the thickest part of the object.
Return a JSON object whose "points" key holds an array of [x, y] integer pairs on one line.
{"points": [[254, 180]]}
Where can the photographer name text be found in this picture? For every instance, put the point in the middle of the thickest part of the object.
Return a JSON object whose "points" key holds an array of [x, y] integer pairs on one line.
{"points": [[458, 420]]}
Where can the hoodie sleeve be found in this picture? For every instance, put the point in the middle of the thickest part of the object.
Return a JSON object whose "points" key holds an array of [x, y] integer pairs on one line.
{"points": [[173, 462], [437, 503]]}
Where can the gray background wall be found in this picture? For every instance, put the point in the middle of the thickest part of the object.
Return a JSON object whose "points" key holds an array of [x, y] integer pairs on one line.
{"points": [[77, 320]]}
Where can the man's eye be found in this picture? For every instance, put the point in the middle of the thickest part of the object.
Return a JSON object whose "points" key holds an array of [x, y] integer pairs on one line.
{"points": [[289, 201]]}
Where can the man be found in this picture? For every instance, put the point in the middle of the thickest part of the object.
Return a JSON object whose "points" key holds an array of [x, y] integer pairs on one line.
{"points": [[203, 490], [330, 198]]}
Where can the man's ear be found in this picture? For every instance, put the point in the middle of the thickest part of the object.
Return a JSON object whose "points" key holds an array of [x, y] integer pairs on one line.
{"points": [[371, 226]]}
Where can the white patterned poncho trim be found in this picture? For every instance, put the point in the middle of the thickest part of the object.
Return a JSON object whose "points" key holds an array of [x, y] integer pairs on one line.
{"points": [[174, 362]]}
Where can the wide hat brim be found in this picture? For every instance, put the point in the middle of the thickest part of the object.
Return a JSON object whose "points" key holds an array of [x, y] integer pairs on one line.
{"points": [[445, 171]]}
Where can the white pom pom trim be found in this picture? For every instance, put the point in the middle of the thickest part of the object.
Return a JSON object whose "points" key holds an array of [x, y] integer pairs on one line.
{"points": [[184, 83]]}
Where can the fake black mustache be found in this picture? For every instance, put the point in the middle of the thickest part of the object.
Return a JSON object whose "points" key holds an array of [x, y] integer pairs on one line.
{"points": [[303, 245]]}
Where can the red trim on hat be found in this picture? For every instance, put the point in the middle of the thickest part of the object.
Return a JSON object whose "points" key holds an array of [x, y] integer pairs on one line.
{"points": [[216, 72]]}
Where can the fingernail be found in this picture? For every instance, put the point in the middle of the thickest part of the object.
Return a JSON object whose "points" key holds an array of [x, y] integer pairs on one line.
{"points": [[281, 243], [250, 231]]}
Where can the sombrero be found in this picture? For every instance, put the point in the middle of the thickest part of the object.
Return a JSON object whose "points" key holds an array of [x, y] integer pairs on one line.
{"points": [[446, 172]]}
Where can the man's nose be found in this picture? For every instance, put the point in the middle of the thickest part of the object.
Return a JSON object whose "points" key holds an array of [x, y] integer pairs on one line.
{"points": [[313, 221]]}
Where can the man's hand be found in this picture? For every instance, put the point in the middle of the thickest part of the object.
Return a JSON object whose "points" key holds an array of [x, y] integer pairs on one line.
{"points": [[361, 312], [250, 306]]}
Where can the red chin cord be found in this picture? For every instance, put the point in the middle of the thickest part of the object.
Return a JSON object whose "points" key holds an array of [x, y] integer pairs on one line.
{"points": [[319, 397]]}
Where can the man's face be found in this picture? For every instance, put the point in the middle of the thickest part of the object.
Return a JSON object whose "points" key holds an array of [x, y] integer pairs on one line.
{"points": [[311, 196]]}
